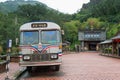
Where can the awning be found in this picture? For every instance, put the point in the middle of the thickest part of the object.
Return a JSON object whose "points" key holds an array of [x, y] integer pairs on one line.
{"points": [[116, 37], [106, 41]]}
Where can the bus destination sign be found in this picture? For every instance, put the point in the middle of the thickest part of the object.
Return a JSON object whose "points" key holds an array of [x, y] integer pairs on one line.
{"points": [[39, 25]]}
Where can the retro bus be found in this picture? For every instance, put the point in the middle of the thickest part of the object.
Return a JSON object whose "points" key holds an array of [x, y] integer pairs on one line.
{"points": [[40, 45]]}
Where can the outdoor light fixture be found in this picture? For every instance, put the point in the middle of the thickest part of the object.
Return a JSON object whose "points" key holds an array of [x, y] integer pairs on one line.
{"points": [[54, 56]]}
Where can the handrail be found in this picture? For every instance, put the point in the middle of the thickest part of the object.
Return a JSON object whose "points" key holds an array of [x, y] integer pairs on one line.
{"points": [[3, 57]]}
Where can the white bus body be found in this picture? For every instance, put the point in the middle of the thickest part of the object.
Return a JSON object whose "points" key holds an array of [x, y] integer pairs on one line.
{"points": [[40, 44]]}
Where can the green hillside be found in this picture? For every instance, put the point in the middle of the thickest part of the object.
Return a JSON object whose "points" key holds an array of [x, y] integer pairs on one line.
{"points": [[12, 5], [97, 14], [105, 12], [15, 13]]}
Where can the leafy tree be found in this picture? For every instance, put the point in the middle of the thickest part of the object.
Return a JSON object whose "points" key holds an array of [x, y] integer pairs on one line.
{"points": [[71, 31], [41, 12]]}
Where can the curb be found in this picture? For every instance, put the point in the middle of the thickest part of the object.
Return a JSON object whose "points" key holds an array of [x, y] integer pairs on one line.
{"points": [[19, 73], [110, 56]]}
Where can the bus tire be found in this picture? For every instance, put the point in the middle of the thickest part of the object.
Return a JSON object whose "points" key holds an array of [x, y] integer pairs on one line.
{"points": [[57, 67], [29, 68]]}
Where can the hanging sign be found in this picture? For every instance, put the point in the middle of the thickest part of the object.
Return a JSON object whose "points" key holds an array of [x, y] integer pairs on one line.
{"points": [[9, 43]]}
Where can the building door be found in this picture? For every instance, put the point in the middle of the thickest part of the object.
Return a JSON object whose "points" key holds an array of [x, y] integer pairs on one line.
{"points": [[92, 46]]}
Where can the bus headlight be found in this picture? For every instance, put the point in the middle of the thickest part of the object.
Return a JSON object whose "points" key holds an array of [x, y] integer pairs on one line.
{"points": [[54, 56], [26, 57]]}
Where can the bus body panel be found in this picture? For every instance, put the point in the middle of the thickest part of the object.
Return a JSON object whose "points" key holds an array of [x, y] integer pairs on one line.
{"points": [[50, 25]]}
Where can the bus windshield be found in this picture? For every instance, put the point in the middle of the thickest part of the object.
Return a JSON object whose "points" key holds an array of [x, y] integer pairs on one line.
{"points": [[29, 37], [50, 37]]}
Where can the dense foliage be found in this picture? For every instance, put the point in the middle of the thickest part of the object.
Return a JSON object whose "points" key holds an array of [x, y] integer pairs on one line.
{"points": [[11, 21], [99, 14], [106, 11]]}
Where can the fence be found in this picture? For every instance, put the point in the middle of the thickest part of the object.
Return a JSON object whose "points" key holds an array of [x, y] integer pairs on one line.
{"points": [[3, 63]]}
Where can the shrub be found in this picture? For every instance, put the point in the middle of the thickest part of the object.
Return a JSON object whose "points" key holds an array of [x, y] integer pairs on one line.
{"points": [[15, 51], [108, 50]]}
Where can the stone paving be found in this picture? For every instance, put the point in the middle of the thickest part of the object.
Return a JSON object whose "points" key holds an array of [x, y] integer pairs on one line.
{"points": [[76, 66], [82, 66], [14, 69]]}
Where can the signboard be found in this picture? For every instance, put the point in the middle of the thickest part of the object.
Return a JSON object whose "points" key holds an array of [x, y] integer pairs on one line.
{"points": [[9, 43], [39, 25]]}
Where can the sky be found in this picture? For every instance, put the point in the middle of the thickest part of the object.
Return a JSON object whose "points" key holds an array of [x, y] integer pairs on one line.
{"points": [[65, 6]]}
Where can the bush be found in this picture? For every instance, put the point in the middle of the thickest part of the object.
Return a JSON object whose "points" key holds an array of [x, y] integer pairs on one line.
{"points": [[108, 50], [15, 50]]}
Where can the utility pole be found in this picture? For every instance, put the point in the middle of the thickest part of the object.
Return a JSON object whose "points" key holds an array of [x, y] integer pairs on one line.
{"points": [[8, 58]]}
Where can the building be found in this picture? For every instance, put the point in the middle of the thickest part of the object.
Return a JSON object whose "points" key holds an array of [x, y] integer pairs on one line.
{"points": [[111, 47], [90, 38]]}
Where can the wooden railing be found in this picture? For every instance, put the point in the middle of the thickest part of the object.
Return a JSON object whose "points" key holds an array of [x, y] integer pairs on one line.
{"points": [[3, 57], [3, 63]]}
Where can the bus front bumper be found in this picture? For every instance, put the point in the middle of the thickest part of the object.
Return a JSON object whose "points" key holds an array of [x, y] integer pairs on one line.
{"points": [[44, 63]]}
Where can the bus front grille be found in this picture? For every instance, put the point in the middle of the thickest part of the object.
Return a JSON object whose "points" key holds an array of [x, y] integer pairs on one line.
{"points": [[39, 57]]}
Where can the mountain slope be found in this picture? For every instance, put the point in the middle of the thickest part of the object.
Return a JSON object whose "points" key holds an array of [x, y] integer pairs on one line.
{"points": [[10, 6]]}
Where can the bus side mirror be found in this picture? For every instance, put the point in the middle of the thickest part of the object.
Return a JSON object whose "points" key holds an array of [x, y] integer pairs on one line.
{"points": [[62, 32]]}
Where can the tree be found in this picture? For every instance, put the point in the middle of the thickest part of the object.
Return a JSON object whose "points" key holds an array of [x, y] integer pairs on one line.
{"points": [[71, 31]]}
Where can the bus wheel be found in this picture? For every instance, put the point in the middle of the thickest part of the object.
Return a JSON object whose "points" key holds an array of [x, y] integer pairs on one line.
{"points": [[29, 68]]}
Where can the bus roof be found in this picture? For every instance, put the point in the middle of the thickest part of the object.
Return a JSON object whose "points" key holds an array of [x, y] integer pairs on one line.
{"points": [[39, 25]]}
